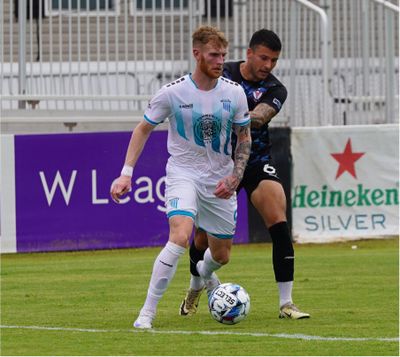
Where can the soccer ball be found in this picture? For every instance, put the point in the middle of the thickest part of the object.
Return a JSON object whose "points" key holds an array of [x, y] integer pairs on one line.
{"points": [[229, 303]]}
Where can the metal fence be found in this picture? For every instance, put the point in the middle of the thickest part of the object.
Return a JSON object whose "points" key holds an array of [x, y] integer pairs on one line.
{"points": [[339, 59]]}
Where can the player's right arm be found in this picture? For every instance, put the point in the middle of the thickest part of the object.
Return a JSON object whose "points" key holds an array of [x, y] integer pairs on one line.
{"points": [[156, 112], [139, 137]]}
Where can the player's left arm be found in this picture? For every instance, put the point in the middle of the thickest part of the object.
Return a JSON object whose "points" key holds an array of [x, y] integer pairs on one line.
{"points": [[262, 114], [242, 151], [228, 185]]}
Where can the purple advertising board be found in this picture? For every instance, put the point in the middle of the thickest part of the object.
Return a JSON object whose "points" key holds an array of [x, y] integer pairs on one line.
{"points": [[62, 184]]}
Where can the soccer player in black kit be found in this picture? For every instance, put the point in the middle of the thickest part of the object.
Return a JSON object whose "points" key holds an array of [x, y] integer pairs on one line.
{"points": [[265, 97]]}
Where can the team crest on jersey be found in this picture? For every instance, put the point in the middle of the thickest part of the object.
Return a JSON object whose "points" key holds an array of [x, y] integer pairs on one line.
{"points": [[226, 105], [206, 129], [257, 94]]}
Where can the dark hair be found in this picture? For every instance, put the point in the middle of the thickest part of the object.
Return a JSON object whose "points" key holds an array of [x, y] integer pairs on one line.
{"points": [[266, 38]]}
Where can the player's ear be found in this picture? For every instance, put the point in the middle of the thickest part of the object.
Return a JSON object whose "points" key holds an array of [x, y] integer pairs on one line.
{"points": [[249, 52], [196, 53]]}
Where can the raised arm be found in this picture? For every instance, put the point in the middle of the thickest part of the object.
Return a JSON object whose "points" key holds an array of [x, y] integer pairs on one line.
{"points": [[228, 185], [139, 137]]}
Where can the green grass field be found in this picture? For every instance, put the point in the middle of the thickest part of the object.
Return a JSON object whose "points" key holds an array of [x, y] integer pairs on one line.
{"points": [[84, 303]]}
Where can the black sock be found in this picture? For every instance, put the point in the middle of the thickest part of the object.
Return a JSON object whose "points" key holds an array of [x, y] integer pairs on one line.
{"points": [[282, 252], [195, 256]]}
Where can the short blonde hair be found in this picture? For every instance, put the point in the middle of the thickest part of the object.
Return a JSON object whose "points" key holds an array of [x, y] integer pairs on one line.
{"points": [[206, 34]]}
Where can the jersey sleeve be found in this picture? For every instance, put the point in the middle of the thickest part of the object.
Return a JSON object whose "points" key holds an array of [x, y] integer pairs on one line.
{"points": [[242, 116], [275, 98], [159, 107]]}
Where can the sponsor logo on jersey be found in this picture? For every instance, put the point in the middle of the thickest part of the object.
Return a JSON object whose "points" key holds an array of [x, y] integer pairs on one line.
{"points": [[186, 106], [277, 102]]}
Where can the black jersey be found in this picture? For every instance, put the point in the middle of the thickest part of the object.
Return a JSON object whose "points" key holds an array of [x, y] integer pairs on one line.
{"points": [[270, 91]]}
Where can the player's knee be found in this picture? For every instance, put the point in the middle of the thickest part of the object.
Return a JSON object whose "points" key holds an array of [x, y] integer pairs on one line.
{"points": [[222, 257], [179, 238], [274, 217]]}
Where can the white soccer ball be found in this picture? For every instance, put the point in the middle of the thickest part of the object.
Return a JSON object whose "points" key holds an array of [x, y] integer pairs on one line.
{"points": [[229, 303]]}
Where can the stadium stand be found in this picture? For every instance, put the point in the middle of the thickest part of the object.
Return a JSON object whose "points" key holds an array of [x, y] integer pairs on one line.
{"points": [[339, 61]]}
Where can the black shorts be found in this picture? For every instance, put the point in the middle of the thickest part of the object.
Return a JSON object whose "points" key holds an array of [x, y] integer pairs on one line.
{"points": [[255, 174]]}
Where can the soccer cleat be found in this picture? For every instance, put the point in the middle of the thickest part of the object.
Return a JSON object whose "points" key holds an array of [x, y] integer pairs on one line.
{"points": [[190, 302], [144, 322], [290, 311]]}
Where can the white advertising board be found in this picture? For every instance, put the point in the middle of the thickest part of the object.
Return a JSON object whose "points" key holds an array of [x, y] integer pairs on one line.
{"points": [[345, 183]]}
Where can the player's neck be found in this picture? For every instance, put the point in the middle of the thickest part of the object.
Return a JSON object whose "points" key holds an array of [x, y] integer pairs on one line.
{"points": [[202, 81]]}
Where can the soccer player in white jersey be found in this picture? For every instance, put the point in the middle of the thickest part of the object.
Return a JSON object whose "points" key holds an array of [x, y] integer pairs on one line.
{"points": [[201, 178]]}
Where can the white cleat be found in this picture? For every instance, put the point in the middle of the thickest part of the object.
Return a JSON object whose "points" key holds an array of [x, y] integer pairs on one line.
{"points": [[144, 322]]}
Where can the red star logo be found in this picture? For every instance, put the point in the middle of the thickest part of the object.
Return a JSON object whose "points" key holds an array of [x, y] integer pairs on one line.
{"points": [[347, 160]]}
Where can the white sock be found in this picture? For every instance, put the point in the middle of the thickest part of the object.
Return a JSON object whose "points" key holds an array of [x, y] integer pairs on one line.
{"points": [[285, 292], [196, 282], [164, 269], [207, 266]]}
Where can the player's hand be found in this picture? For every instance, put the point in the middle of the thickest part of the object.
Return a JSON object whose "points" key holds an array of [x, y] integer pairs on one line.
{"points": [[226, 187], [256, 123], [120, 186]]}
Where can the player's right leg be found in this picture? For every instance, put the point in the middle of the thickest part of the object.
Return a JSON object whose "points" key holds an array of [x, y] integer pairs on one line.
{"points": [[181, 210], [164, 268]]}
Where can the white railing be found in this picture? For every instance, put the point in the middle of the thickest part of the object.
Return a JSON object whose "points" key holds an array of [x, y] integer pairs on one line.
{"points": [[339, 59]]}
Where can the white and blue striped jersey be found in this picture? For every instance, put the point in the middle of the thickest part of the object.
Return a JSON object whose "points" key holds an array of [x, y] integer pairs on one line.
{"points": [[200, 126]]}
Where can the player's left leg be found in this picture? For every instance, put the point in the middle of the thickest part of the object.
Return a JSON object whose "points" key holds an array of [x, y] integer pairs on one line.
{"points": [[270, 201], [196, 253], [215, 257], [217, 217]]}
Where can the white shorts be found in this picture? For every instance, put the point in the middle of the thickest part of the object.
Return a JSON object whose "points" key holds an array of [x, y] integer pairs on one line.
{"points": [[186, 197]]}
